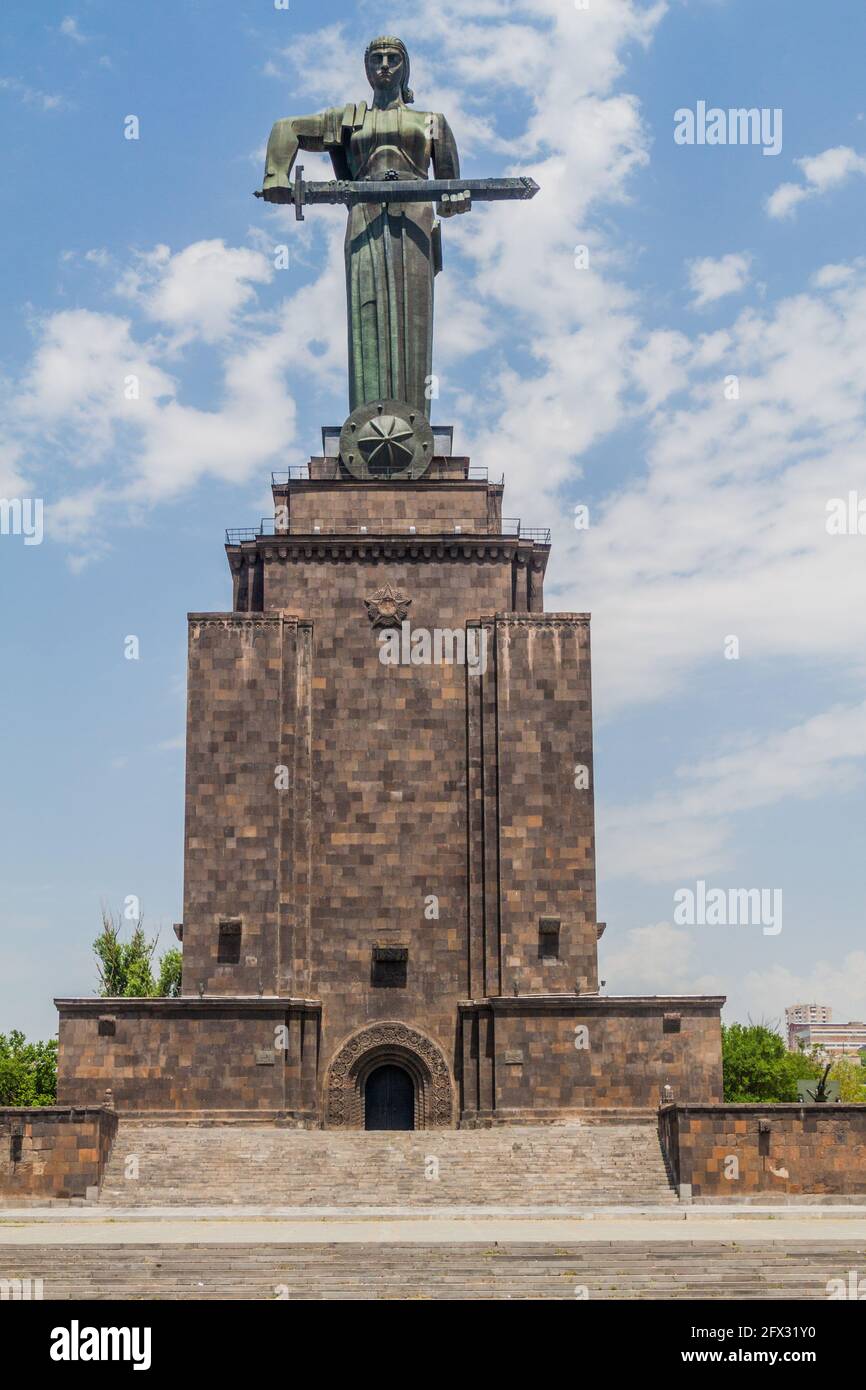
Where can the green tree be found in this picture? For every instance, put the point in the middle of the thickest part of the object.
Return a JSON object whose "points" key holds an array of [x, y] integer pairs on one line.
{"points": [[852, 1080], [170, 968], [28, 1071], [759, 1068], [126, 967], [848, 1071]]}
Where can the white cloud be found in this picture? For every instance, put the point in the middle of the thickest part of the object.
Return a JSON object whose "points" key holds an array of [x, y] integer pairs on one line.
{"points": [[94, 391], [711, 279], [829, 277], [725, 531], [98, 390], [821, 172], [69, 29], [12, 481], [323, 64], [656, 959], [685, 830], [255, 421], [840, 983], [32, 96], [200, 291], [832, 167], [785, 198], [78, 379]]}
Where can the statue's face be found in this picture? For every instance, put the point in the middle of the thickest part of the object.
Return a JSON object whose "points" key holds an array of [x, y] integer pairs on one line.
{"points": [[385, 68]]}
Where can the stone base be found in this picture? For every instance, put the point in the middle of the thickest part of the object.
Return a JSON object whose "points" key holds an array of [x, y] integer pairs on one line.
{"points": [[512, 1060], [738, 1152], [559, 1055], [53, 1152], [243, 1054]]}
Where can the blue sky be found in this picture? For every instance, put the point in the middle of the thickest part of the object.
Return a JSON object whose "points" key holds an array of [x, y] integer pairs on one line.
{"points": [[602, 386]]}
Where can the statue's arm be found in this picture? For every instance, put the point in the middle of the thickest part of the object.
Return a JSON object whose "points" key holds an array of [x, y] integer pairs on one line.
{"points": [[316, 133], [446, 165]]}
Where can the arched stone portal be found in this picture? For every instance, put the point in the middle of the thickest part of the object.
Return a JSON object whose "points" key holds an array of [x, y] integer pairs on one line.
{"points": [[375, 1046]]}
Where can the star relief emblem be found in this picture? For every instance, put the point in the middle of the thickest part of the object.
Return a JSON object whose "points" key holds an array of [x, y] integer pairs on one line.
{"points": [[384, 442], [388, 607]]}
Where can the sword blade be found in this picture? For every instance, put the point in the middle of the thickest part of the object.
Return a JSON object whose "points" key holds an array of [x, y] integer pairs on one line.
{"points": [[416, 190], [350, 192]]}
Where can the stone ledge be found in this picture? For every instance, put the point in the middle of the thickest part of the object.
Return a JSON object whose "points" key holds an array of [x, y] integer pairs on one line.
{"points": [[188, 1003], [71, 1112], [597, 1002], [768, 1108]]}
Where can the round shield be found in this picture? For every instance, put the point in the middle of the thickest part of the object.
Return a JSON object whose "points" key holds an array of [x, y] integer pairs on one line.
{"points": [[386, 439]]}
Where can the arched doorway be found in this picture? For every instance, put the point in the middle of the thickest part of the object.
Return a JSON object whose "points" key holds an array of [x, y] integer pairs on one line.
{"points": [[389, 1099], [396, 1044]]}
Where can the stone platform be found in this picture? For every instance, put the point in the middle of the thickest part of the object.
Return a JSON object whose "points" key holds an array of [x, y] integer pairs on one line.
{"points": [[389, 860], [603, 1254], [257, 1211]]}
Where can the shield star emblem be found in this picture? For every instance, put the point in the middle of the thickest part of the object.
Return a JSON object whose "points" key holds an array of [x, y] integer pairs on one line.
{"points": [[386, 444], [388, 607]]}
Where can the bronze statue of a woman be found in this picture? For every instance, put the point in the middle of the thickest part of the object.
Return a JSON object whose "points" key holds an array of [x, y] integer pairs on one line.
{"points": [[392, 250]]}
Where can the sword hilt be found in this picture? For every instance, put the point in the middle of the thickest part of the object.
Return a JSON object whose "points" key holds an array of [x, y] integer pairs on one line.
{"points": [[293, 193]]}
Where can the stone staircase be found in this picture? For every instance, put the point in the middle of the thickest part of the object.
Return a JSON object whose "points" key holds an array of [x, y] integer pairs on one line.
{"points": [[372, 1272], [161, 1164]]}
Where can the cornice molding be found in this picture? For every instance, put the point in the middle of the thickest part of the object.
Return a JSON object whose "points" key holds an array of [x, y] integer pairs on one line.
{"points": [[595, 1003], [211, 1003], [463, 548], [542, 620]]}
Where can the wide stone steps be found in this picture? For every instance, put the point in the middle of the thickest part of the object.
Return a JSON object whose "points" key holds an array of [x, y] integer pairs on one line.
{"points": [[154, 1164], [365, 1272]]}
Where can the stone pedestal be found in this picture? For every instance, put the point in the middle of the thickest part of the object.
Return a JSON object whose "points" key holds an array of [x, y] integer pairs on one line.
{"points": [[390, 827]]}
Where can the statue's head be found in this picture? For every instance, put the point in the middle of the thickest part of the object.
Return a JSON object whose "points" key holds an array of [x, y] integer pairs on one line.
{"points": [[387, 64]]}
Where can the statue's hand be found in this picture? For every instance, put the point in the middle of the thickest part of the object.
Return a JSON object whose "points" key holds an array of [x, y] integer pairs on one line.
{"points": [[282, 149], [452, 203]]}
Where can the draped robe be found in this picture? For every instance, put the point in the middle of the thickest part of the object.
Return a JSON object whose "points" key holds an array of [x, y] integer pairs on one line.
{"points": [[392, 252]]}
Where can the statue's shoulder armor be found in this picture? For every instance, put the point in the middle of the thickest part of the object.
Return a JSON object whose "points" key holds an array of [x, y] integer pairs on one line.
{"points": [[434, 123], [353, 116]]}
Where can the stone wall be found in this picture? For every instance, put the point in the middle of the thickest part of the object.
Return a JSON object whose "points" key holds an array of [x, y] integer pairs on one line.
{"points": [[245, 847], [51, 1151], [390, 840], [545, 821], [730, 1151], [525, 1056], [368, 846], [392, 507], [190, 1054]]}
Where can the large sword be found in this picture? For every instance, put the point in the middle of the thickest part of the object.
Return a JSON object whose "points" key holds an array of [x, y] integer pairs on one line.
{"points": [[393, 189]]}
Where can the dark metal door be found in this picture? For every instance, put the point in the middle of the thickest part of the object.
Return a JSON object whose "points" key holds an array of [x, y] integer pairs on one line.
{"points": [[389, 1099]]}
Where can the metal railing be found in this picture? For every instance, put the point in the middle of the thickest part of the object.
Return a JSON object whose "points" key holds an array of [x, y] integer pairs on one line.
{"points": [[539, 534], [378, 526], [300, 473]]}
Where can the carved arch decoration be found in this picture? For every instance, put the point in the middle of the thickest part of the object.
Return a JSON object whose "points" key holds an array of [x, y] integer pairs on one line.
{"points": [[374, 1046]]}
